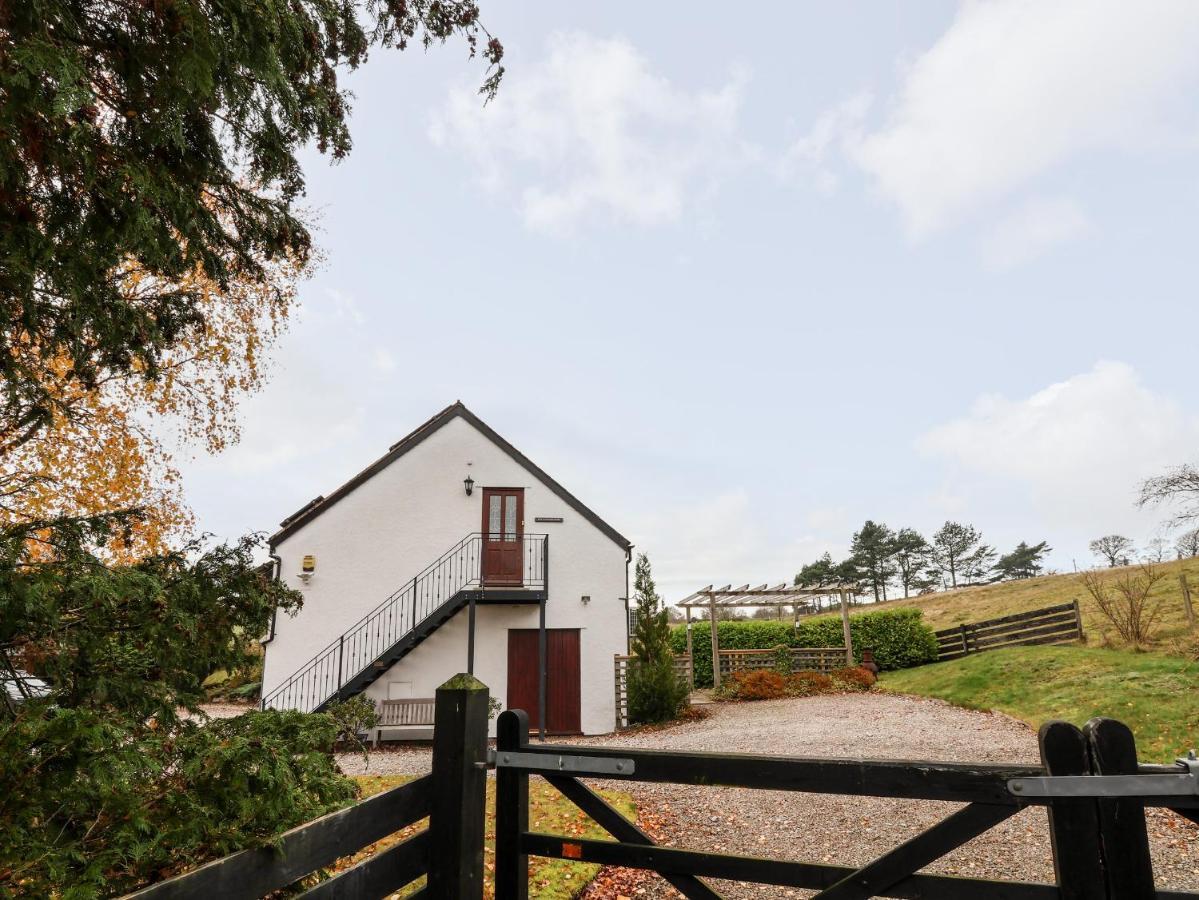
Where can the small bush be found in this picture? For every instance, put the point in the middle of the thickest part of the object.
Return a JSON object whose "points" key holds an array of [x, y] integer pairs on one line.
{"points": [[783, 662], [759, 684], [808, 684], [854, 679], [656, 693]]}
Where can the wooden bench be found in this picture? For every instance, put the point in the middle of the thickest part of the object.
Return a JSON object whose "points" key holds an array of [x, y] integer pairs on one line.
{"points": [[402, 713]]}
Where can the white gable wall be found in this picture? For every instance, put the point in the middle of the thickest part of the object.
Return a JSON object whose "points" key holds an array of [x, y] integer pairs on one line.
{"points": [[376, 538]]}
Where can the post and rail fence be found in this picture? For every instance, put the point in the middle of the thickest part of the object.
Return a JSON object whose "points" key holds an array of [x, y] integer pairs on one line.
{"points": [[803, 659], [1051, 625], [1089, 782]]}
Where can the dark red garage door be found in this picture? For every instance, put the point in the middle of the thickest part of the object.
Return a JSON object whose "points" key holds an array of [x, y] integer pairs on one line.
{"points": [[562, 700]]}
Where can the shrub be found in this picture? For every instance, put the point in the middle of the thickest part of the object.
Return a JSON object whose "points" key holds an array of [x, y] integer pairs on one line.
{"points": [[854, 679], [737, 635], [898, 637], [783, 663], [759, 684], [353, 718], [656, 693], [808, 684]]}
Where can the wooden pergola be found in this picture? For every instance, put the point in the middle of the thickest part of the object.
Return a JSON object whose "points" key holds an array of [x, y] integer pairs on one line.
{"points": [[728, 597]]}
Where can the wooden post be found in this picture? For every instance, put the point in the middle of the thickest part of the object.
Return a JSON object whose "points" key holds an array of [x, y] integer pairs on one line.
{"points": [[845, 628], [1073, 824], [511, 809], [715, 640], [1082, 636], [459, 772], [1186, 600], [965, 639], [1124, 837]]}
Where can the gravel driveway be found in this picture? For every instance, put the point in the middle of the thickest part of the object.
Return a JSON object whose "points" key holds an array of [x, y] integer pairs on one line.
{"points": [[839, 829]]}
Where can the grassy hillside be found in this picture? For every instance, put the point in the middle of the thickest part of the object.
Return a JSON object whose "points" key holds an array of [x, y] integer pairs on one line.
{"points": [[1155, 695], [990, 601]]}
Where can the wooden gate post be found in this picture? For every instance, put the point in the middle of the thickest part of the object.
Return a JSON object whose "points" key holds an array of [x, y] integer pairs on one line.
{"points": [[1124, 836], [456, 817], [1073, 824], [511, 809]]}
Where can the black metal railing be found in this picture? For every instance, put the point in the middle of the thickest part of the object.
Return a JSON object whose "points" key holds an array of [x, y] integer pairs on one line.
{"points": [[368, 640]]}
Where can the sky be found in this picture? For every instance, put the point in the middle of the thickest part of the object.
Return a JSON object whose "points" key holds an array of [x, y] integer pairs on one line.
{"points": [[743, 278]]}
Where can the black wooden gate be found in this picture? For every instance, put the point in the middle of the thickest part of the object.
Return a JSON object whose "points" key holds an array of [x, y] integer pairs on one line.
{"points": [[1090, 783]]}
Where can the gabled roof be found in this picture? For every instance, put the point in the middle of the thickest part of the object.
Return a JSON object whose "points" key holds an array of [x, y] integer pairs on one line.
{"points": [[315, 507]]}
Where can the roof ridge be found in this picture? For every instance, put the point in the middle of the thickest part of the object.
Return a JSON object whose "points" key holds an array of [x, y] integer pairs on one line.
{"points": [[457, 409]]}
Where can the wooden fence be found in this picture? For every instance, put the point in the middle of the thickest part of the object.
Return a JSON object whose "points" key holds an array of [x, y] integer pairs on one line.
{"points": [[803, 659], [1052, 625], [452, 798], [682, 669]]}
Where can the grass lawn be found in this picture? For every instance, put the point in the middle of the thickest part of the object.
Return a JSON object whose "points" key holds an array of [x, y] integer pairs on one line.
{"points": [[549, 812], [1155, 695], [990, 601]]}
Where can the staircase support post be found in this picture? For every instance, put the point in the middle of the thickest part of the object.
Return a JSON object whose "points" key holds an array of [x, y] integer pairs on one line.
{"points": [[456, 818], [341, 673], [541, 657], [470, 639]]}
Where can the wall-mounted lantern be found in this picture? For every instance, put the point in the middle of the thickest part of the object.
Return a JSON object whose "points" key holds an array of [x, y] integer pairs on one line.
{"points": [[470, 484], [586, 598]]}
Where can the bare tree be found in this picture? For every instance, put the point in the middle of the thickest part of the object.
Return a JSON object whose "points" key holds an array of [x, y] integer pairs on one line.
{"points": [[1180, 486], [1124, 600], [1187, 544], [1155, 550], [1113, 547]]}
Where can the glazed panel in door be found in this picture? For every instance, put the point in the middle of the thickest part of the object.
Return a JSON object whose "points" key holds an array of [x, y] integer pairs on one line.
{"points": [[503, 530], [563, 714]]}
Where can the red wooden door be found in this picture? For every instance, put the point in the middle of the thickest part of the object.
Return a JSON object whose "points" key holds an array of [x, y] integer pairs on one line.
{"points": [[563, 714], [503, 530]]}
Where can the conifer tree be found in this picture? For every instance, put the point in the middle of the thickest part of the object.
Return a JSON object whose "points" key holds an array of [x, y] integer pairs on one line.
{"points": [[656, 694]]}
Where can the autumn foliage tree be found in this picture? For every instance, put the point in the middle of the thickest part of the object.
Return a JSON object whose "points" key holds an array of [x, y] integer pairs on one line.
{"points": [[111, 446], [150, 239]]}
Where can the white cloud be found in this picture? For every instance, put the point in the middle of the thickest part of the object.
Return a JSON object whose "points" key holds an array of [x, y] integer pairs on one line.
{"points": [[1037, 226], [345, 306], [384, 361], [835, 133], [720, 540], [1016, 87], [593, 131], [1078, 448]]}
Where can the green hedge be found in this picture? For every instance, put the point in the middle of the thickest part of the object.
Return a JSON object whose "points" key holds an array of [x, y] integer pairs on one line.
{"points": [[898, 637]]}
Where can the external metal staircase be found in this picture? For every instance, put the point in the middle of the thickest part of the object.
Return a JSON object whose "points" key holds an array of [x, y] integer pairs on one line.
{"points": [[399, 624]]}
